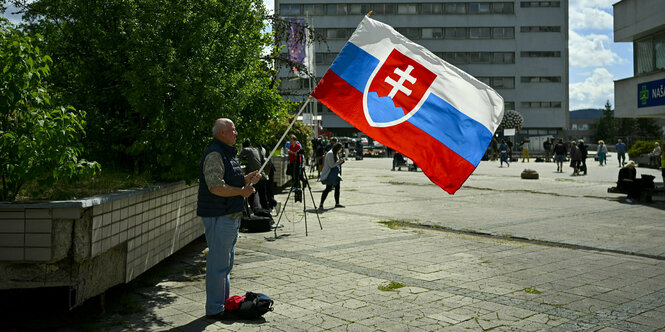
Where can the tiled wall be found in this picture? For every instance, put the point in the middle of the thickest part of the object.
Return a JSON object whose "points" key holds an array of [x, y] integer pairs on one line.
{"points": [[149, 225]]}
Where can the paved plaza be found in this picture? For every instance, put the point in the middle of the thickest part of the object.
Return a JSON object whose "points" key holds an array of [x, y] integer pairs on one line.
{"points": [[502, 254]]}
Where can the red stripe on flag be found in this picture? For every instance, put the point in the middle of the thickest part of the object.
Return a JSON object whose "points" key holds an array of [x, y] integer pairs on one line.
{"points": [[441, 165]]}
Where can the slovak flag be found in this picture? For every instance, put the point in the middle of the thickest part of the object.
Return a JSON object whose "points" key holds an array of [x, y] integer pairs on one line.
{"points": [[407, 98]]}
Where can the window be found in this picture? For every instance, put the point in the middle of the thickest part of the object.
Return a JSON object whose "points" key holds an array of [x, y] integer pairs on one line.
{"points": [[431, 8], [509, 105], [325, 58], [540, 54], [289, 10], [503, 33], [649, 54], [659, 50], [455, 8], [356, 9], [313, 10], [503, 57], [479, 57], [455, 33], [383, 9], [411, 33], [540, 29], [503, 8], [337, 34], [479, 8], [407, 9], [502, 82], [541, 79], [336, 9], [432, 33], [527, 4], [479, 33], [540, 104]]}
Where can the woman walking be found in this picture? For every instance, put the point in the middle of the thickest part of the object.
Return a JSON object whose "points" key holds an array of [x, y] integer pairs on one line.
{"points": [[331, 174], [602, 153]]}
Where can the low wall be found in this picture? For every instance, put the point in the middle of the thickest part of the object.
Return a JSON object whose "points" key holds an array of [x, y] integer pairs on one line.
{"points": [[95, 243]]}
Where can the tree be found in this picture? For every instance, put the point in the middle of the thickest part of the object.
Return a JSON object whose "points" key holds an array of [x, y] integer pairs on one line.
{"points": [[511, 120], [630, 129], [606, 130], [155, 74], [38, 141]]}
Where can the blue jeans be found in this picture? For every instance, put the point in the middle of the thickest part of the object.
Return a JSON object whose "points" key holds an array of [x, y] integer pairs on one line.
{"points": [[221, 235]]}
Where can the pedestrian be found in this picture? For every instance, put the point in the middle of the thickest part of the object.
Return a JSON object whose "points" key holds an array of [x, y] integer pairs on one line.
{"points": [[628, 183], [510, 149], [547, 146], [602, 153], [575, 158], [662, 166], [494, 148], [295, 153], [222, 189], [585, 153], [253, 160], [504, 152], [621, 152], [331, 175], [654, 156], [525, 149], [560, 153]]}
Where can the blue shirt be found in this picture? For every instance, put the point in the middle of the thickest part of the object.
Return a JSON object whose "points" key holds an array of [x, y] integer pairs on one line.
{"points": [[621, 147]]}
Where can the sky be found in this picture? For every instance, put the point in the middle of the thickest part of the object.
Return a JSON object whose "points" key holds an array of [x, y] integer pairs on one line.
{"points": [[595, 59]]}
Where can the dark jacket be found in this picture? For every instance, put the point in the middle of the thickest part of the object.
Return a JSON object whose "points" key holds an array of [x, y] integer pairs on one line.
{"points": [[211, 205]]}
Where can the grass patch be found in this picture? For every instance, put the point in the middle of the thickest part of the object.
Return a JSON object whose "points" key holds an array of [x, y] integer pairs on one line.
{"points": [[485, 261], [532, 290], [395, 223], [106, 181], [391, 287]]}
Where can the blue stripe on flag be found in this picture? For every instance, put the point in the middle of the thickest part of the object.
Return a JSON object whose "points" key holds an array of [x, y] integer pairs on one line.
{"points": [[454, 129], [437, 117], [354, 65]]}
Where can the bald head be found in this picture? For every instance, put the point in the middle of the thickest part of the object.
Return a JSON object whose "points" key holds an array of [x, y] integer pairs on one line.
{"points": [[225, 131]]}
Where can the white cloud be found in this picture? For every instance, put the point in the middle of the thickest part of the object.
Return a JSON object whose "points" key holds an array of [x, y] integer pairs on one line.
{"points": [[594, 91], [270, 5], [591, 50], [590, 18]]}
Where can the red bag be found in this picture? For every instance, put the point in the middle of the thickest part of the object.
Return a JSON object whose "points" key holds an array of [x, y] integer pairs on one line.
{"points": [[233, 302]]}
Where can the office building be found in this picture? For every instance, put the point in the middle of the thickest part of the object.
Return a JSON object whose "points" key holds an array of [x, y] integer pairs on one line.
{"points": [[641, 22]]}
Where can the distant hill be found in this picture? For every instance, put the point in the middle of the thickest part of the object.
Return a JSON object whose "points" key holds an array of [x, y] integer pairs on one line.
{"points": [[587, 113]]}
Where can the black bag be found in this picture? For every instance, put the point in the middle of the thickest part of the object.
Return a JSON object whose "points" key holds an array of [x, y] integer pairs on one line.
{"points": [[254, 305], [255, 224]]}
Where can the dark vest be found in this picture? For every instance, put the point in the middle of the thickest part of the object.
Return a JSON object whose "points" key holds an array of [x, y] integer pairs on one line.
{"points": [[211, 205]]}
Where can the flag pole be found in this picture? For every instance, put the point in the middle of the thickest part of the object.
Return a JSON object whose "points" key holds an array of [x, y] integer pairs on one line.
{"points": [[295, 118]]}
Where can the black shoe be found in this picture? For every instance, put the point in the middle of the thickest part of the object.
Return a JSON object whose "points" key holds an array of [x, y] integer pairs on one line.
{"points": [[339, 206], [223, 316]]}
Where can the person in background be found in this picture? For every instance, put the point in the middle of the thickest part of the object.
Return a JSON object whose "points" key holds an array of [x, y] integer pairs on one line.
{"points": [[547, 146], [331, 174], [575, 158], [621, 152], [222, 189], [253, 160], [602, 153], [510, 149], [654, 156], [560, 155], [504, 152], [295, 160], [525, 149], [628, 183], [585, 153], [662, 166]]}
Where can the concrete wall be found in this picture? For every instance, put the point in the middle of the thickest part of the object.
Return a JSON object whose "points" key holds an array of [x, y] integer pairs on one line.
{"points": [[95, 243], [634, 19]]}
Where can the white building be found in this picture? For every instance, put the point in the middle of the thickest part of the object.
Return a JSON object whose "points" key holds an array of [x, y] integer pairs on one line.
{"points": [[520, 48], [641, 22]]}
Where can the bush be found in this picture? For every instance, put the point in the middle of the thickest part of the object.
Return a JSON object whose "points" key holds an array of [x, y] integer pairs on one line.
{"points": [[642, 147], [38, 142]]}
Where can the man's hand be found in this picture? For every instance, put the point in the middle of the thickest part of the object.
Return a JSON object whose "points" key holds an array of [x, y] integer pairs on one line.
{"points": [[246, 191], [253, 177]]}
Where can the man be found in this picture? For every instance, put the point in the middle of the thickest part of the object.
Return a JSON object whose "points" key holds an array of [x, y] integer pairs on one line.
{"points": [[222, 189], [654, 156], [295, 160], [509, 143], [621, 152], [628, 183], [525, 149], [585, 153], [547, 146], [560, 155]]}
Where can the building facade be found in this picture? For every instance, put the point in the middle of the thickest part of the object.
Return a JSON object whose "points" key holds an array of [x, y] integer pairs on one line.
{"points": [[520, 48], [641, 22]]}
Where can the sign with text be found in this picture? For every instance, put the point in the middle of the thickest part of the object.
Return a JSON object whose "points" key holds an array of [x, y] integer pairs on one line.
{"points": [[651, 93]]}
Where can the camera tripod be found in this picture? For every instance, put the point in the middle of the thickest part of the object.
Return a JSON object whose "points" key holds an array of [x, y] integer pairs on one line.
{"points": [[300, 182]]}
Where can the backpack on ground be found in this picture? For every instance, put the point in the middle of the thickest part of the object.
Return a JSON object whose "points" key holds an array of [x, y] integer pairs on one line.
{"points": [[255, 223], [253, 306]]}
